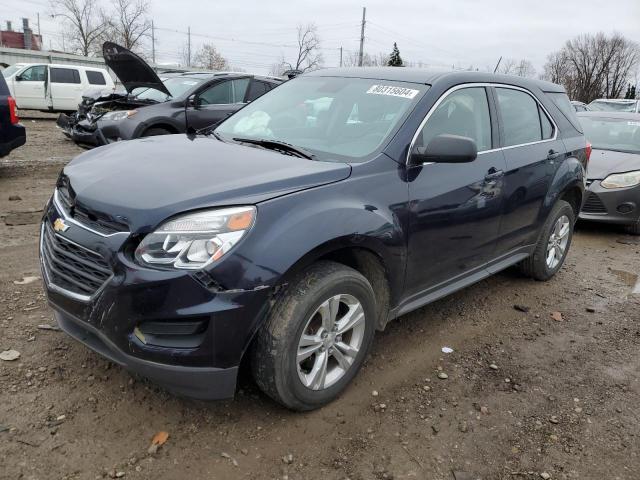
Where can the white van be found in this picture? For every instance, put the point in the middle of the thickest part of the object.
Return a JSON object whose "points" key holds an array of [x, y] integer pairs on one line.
{"points": [[56, 88]]}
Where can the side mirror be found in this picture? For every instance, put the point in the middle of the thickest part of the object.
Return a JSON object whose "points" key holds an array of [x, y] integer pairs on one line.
{"points": [[19, 78], [445, 149], [192, 101]]}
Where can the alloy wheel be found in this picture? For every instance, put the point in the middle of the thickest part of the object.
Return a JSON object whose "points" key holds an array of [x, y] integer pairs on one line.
{"points": [[558, 241], [330, 341]]}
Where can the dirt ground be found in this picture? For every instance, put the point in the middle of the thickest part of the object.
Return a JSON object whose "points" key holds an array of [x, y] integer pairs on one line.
{"points": [[526, 396]]}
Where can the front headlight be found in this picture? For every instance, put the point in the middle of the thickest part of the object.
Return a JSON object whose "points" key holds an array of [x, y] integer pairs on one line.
{"points": [[622, 180], [195, 240], [119, 115]]}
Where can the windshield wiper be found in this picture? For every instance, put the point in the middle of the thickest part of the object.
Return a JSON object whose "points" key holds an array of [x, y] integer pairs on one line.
{"points": [[286, 148]]}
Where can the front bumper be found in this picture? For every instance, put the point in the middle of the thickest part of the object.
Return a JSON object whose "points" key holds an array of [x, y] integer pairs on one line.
{"points": [[134, 313], [618, 206], [84, 132]]}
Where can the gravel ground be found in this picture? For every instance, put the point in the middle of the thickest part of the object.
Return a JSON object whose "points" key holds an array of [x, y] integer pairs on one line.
{"points": [[527, 396]]}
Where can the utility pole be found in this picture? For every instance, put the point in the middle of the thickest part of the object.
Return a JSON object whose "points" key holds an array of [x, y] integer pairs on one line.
{"points": [[360, 56], [189, 47], [39, 34], [153, 43], [340, 56]]}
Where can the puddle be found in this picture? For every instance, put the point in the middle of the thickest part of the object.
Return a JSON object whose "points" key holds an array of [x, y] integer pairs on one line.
{"points": [[630, 279]]}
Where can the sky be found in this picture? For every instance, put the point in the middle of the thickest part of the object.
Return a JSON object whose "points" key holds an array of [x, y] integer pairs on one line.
{"points": [[253, 35]]}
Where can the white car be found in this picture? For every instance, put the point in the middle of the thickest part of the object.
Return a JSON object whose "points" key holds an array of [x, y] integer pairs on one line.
{"points": [[615, 105], [51, 87]]}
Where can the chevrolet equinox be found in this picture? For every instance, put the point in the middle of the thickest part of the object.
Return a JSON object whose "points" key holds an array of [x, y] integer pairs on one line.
{"points": [[306, 221]]}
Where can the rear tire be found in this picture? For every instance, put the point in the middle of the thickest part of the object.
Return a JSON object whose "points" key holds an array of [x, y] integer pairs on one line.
{"points": [[154, 132], [553, 245], [633, 229], [300, 323]]}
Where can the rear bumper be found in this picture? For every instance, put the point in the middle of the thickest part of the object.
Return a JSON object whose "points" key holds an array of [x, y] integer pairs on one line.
{"points": [[205, 383], [15, 138], [618, 206]]}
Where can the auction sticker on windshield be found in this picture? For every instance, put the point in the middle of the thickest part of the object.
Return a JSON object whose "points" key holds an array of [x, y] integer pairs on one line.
{"points": [[393, 91]]}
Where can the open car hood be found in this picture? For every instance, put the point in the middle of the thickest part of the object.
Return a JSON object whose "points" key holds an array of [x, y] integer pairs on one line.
{"points": [[132, 70]]}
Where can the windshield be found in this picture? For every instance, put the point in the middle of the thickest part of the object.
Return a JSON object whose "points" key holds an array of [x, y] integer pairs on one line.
{"points": [[7, 72], [604, 106], [332, 117], [612, 133], [176, 86]]}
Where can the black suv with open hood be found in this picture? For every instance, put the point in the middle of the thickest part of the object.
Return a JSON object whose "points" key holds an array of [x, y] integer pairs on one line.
{"points": [[154, 106]]}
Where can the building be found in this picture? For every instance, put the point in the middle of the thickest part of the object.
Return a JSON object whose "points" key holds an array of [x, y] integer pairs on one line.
{"points": [[25, 40]]}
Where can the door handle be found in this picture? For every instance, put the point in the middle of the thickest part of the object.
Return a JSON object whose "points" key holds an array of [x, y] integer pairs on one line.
{"points": [[553, 155], [493, 174]]}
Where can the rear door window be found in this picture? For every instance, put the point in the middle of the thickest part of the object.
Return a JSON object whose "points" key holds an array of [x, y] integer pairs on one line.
{"points": [[65, 75], [520, 117], [95, 78], [464, 112]]}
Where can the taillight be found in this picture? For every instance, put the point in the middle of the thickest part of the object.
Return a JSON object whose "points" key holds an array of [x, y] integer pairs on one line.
{"points": [[13, 111], [588, 150]]}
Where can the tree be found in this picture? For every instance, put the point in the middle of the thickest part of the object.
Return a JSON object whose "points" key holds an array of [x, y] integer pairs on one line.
{"points": [[395, 60], [593, 66], [83, 23], [309, 56], [209, 58], [512, 66], [127, 23]]}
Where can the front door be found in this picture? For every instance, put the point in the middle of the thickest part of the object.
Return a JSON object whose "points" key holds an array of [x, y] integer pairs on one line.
{"points": [[216, 102], [29, 88], [455, 208]]}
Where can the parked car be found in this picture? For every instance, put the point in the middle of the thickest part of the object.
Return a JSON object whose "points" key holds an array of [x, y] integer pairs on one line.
{"points": [[579, 106], [55, 88], [12, 134], [151, 106], [289, 241], [615, 105], [613, 175]]}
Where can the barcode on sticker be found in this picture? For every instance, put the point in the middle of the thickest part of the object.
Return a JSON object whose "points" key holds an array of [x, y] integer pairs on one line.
{"points": [[393, 91]]}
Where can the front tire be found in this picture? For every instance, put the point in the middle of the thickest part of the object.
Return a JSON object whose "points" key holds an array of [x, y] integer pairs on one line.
{"points": [[553, 245], [316, 337]]}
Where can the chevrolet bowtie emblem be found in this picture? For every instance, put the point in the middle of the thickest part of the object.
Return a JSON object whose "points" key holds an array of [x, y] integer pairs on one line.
{"points": [[60, 226]]}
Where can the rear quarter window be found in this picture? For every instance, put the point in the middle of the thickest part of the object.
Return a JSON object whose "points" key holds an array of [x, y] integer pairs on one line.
{"points": [[95, 78], [561, 100]]}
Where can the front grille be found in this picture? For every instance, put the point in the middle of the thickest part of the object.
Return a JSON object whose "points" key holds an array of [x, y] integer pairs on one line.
{"points": [[594, 204], [71, 267], [95, 221]]}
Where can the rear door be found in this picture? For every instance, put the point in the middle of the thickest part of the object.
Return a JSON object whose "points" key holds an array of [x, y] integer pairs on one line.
{"points": [[455, 208], [531, 149], [66, 88], [216, 102], [29, 88]]}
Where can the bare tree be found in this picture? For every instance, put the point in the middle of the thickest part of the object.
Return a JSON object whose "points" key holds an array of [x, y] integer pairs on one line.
{"points": [[593, 66], [512, 66], [351, 59], [82, 21], [309, 55], [127, 23], [209, 58]]}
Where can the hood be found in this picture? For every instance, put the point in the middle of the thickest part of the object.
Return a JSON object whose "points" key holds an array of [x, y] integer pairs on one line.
{"points": [[130, 69], [143, 182], [605, 162]]}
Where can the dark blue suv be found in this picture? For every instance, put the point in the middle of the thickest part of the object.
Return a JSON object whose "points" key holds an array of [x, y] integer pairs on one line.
{"points": [[307, 221]]}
